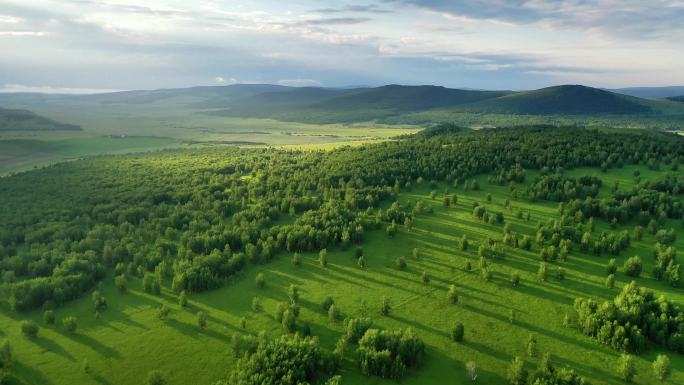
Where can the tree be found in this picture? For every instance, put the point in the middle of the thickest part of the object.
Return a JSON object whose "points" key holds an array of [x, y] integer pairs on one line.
{"points": [[458, 332], [29, 328], [327, 302], [515, 278], [257, 307], [163, 312], [415, 253], [156, 377], [361, 262], [202, 320], [99, 301], [633, 266], [464, 243], [401, 263], [531, 345], [661, 367], [297, 259], [542, 273], [471, 370], [121, 283], [183, 299], [293, 293], [386, 307], [70, 324], [49, 317], [260, 280], [610, 281], [517, 374], [323, 257], [425, 277], [611, 268], [333, 313], [626, 367], [452, 294], [392, 229]]}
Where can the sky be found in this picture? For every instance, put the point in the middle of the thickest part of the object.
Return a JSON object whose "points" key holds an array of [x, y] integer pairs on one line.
{"points": [[81, 46]]}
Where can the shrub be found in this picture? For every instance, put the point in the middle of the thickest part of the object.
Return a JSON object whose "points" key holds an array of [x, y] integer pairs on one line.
{"points": [[401, 263], [70, 324], [202, 320], [610, 281], [515, 278], [386, 307], [49, 317], [626, 367], [260, 280], [297, 259], [633, 266], [327, 302], [452, 295], [333, 313], [425, 277], [323, 258], [458, 332], [29, 328], [183, 299], [661, 367], [257, 307]]}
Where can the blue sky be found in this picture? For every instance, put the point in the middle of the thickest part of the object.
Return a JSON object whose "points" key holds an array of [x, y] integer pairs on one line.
{"points": [[84, 45]]}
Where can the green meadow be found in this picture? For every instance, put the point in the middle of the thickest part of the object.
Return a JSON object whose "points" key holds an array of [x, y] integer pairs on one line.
{"points": [[128, 340]]}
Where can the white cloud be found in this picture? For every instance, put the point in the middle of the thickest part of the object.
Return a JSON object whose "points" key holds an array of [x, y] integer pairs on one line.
{"points": [[10, 19]]}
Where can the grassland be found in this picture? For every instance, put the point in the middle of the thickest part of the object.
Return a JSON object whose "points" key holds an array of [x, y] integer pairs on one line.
{"points": [[113, 129], [128, 340]]}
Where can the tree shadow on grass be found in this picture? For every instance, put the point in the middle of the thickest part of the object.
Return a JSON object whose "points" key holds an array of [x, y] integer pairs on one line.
{"points": [[51, 346], [28, 376], [96, 345]]}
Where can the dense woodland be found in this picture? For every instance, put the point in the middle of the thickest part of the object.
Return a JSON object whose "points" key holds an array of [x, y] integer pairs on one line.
{"points": [[192, 219]]}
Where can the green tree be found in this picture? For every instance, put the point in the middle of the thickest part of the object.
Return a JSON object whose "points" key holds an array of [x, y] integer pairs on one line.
{"points": [[333, 313], [70, 324], [260, 280], [517, 374], [49, 317], [531, 345], [661, 367], [202, 320], [542, 272], [626, 368], [452, 294], [183, 299], [29, 328], [323, 257], [633, 266], [458, 332], [293, 293], [386, 308], [297, 259], [610, 281]]}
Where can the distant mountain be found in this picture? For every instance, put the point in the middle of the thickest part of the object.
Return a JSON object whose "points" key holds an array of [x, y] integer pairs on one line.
{"points": [[562, 100], [23, 120], [651, 92], [407, 98]]}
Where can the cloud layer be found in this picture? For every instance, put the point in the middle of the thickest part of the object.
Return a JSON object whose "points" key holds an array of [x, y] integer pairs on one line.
{"points": [[494, 44]]}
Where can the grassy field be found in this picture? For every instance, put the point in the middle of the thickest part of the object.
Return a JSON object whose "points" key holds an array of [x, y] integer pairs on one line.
{"points": [[112, 131], [128, 340]]}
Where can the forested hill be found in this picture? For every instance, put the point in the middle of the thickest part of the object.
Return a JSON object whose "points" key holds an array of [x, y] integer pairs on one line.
{"points": [[23, 120], [194, 218], [569, 99]]}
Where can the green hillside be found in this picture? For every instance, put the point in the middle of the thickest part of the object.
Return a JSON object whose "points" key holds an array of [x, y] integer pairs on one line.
{"points": [[23, 120], [676, 98], [558, 100]]}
